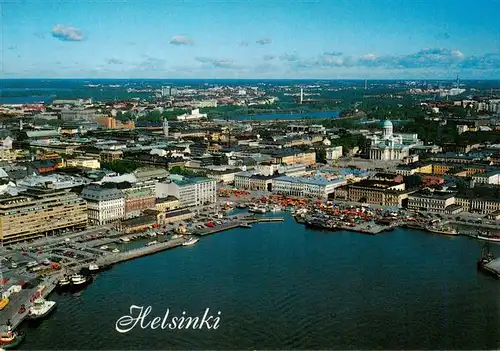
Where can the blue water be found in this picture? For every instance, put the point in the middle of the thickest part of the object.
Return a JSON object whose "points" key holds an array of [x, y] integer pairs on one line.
{"points": [[282, 286], [24, 100], [287, 116]]}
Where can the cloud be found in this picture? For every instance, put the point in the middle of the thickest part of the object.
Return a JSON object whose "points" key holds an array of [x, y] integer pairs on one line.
{"points": [[264, 41], [115, 61], [181, 40], [289, 57], [332, 53], [11, 47], [268, 57], [244, 43], [444, 35], [150, 64], [67, 33], [216, 63]]}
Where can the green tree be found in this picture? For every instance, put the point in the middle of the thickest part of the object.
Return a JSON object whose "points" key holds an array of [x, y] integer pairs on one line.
{"points": [[121, 166]]}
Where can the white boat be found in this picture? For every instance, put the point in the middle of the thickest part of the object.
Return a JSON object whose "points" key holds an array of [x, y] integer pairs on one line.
{"points": [[46, 262], [152, 243], [153, 234], [14, 265], [93, 267], [64, 282], [125, 239], [275, 208], [115, 250], [256, 209], [245, 225], [488, 238], [78, 279], [104, 247], [41, 308], [190, 242]]}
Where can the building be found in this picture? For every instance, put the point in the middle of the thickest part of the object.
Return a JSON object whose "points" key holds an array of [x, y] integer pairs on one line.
{"points": [[317, 186], [433, 201], [111, 155], [333, 153], [251, 181], [105, 204], [167, 203], [223, 176], [138, 200], [190, 191], [172, 216], [77, 115], [478, 204], [39, 212], [9, 154], [290, 156], [377, 192], [84, 162], [193, 116], [487, 178], [391, 146]]}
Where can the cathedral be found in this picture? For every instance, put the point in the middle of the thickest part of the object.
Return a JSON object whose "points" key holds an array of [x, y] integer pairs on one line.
{"points": [[389, 146]]}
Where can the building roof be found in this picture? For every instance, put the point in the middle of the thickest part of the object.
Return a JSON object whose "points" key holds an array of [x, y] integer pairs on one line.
{"points": [[441, 195], [95, 192], [387, 123], [315, 180]]}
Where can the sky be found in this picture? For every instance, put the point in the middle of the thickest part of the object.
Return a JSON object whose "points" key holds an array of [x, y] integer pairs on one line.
{"points": [[323, 39]]}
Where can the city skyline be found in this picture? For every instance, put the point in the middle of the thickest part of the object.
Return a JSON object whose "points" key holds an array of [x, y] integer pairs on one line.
{"points": [[220, 40]]}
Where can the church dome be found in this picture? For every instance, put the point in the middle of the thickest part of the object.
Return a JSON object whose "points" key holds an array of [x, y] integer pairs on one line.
{"points": [[387, 124]]}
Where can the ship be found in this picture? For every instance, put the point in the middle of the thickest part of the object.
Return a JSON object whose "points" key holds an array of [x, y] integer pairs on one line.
{"points": [[78, 279], [41, 308], [488, 238], [63, 282], [190, 242], [93, 268], [245, 225], [11, 339], [445, 231]]}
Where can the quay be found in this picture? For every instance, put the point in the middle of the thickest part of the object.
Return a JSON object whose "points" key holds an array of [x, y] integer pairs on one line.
{"points": [[492, 267], [235, 224]]}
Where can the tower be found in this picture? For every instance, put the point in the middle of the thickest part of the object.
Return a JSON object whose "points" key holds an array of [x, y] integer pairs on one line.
{"points": [[458, 81], [165, 128], [387, 129], [301, 96], [366, 84]]}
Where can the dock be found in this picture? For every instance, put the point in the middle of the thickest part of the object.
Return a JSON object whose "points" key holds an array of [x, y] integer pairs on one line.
{"points": [[492, 267], [235, 224]]}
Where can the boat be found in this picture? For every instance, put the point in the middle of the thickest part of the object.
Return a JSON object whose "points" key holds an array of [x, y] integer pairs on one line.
{"points": [[46, 262], [64, 282], [3, 303], [41, 308], [115, 250], [256, 209], [446, 231], [13, 265], [104, 247], [190, 242], [275, 208], [93, 267], [488, 238], [125, 239], [154, 242], [245, 225], [241, 206], [10, 339], [78, 279]]}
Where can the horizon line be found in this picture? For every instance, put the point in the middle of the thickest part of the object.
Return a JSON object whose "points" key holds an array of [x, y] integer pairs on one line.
{"points": [[261, 79]]}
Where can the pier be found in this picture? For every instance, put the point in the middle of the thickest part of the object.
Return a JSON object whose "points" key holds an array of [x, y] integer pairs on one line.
{"points": [[235, 224]]}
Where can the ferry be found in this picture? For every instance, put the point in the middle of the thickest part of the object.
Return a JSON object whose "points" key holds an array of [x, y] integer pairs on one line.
{"points": [[64, 282], [41, 308], [10, 339], [445, 231], [245, 225], [190, 242], [78, 279], [154, 242]]}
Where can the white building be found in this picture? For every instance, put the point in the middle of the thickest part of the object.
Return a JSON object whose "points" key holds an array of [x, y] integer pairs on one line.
{"points": [[333, 153], [105, 205], [317, 186], [487, 178], [391, 146], [194, 115], [190, 191]]}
